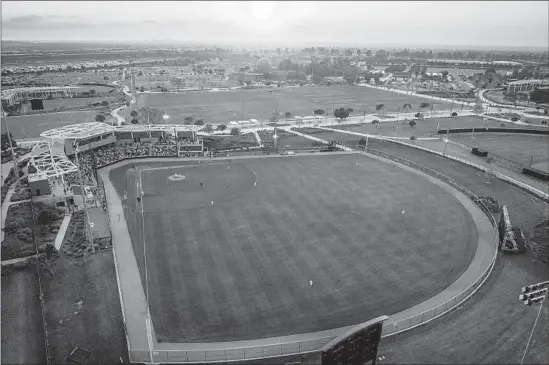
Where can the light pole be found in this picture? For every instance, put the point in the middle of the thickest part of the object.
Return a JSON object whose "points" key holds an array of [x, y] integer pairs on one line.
{"points": [[445, 139], [139, 190], [533, 294], [76, 147], [15, 167]]}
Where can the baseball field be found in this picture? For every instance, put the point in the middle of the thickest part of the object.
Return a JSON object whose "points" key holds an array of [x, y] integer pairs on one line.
{"points": [[224, 106], [272, 246]]}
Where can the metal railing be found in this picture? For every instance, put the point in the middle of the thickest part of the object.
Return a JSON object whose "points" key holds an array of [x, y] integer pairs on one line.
{"points": [[313, 344]]}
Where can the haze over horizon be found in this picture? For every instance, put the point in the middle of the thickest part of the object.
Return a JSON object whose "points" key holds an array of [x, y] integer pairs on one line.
{"points": [[507, 24]]}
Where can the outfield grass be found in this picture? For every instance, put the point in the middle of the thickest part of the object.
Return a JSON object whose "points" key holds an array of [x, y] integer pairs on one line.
{"points": [[240, 268], [221, 107], [522, 148], [30, 126]]}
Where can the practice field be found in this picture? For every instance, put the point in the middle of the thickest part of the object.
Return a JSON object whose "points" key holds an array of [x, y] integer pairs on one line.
{"points": [[233, 259], [30, 126], [428, 127], [523, 148], [224, 106]]}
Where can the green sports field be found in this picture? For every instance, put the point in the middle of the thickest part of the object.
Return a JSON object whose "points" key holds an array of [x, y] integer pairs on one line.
{"points": [[428, 127], [523, 148], [224, 106], [30, 126], [372, 238]]}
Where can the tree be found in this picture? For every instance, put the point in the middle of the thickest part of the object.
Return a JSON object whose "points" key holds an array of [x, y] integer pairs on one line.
{"points": [[319, 112], [412, 123], [454, 114], [247, 82], [406, 107], [142, 89], [6, 142], [92, 92], [106, 78], [288, 115], [208, 128], [341, 113], [221, 127], [100, 118], [445, 73], [362, 142], [133, 113], [419, 115], [134, 121], [199, 122], [104, 103], [423, 105], [382, 108], [235, 131], [349, 111], [478, 109], [188, 120], [539, 96]]}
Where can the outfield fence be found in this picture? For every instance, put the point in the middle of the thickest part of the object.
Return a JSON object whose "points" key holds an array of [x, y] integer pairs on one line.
{"points": [[313, 342]]}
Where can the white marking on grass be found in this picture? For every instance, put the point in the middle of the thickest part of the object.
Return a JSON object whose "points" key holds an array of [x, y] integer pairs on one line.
{"points": [[403, 211], [212, 202]]}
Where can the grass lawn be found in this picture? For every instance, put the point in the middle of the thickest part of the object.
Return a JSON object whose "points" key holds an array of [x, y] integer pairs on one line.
{"points": [[82, 307], [426, 127], [286, 140], [22, 327], [30, 126], [221, 107], [240, 268], [228, 142], [522, 148], [59, 104]]}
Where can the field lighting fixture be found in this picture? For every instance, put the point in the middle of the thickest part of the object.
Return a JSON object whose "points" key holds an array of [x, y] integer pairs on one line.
{"points": [[533, 294], [165, 116]]}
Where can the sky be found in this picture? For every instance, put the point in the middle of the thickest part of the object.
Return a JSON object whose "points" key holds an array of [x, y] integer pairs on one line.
{"points": [[444, 23]]}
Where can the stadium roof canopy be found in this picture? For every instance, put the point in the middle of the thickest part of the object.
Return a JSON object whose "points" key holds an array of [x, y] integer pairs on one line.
{"points": [[92, 129], [158, 127], [78, 131], [50, 160]]}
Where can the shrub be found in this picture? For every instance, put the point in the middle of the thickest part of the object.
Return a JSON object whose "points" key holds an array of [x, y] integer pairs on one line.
{"points": [[413, 138], [46, 216], [454, 114], [375, 121], [514, 119], [412, 123], [24, 234]]}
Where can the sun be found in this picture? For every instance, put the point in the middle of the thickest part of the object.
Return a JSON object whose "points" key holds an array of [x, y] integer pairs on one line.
{"points": [[262, 10]]}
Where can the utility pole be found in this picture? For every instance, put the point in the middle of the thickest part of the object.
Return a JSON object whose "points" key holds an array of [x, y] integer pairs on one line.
{"points": [[76, 147]]}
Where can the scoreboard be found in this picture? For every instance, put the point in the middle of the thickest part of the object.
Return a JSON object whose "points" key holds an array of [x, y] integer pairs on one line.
{"points": [[356, 346]]}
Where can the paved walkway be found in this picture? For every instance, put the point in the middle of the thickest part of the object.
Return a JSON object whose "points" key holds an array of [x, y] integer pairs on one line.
{"points": [[62, 231], [135, 306]]}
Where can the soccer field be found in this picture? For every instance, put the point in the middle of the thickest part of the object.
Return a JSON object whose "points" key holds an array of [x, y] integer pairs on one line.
{"points": [[373, 239], [224, 106], [30, 126], [428, 127], [523, 148]]}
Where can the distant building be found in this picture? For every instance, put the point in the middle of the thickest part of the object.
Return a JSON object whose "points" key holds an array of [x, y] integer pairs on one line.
{"points": [[526, 85], [334, 80], [264, 65], [402, 76]]}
